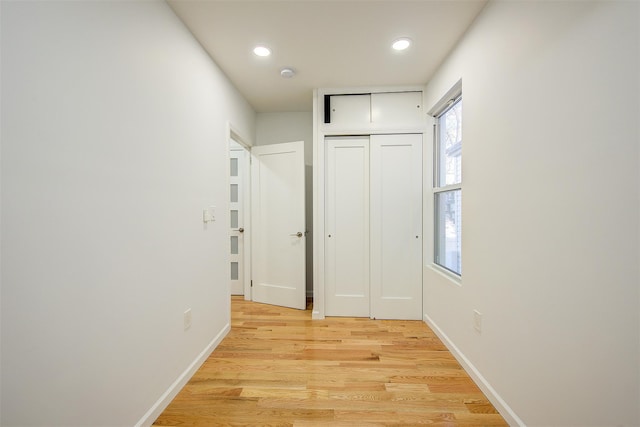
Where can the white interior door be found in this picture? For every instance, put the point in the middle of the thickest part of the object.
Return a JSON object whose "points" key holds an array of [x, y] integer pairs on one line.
{"points": [[237, 173], [396, 226], [347, 226], [278, 224]]}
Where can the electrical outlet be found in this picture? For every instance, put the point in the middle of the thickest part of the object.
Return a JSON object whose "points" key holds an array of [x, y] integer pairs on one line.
{"points": [[187, 319], [477, 321]]}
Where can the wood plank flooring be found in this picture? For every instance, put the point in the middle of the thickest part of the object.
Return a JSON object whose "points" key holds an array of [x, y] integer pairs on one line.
{"points": [[277, 367]]}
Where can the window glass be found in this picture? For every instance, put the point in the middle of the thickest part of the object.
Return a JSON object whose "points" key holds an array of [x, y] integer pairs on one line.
{"points": [[447, 191], [448, 221], [450, 145], [234, 219], [234, 193], [234, 167]]}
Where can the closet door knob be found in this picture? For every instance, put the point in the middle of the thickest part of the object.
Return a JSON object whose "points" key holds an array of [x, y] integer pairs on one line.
{"points": [[299, 234]]}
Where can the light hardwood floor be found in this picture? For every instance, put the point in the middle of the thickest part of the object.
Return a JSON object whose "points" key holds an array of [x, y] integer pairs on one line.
{"points": [[277, 367]]}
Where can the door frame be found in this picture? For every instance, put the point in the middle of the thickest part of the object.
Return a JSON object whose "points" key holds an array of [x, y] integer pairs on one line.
{"points": [[233, 133], [322, 130]]}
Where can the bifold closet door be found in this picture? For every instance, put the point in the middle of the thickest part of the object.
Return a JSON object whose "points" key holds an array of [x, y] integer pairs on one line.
{"points": [[347, 227], [396, 226]]}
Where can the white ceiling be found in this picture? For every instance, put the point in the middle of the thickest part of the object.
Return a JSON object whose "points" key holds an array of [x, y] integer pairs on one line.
{"points": [[330, 43]]}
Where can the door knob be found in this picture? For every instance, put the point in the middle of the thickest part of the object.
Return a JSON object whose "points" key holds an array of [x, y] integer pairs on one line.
{"points": [[299, 234], [241, 230]]}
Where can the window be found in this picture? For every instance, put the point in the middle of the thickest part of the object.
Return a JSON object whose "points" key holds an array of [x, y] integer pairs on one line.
{"points": [[447, 187]]}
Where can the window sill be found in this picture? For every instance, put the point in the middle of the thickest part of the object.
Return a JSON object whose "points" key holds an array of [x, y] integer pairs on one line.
{"points": [[451, 277]]}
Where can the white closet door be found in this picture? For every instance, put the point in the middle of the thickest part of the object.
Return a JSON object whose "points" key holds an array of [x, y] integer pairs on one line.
{"points": [[396, 226], [347, 226]]}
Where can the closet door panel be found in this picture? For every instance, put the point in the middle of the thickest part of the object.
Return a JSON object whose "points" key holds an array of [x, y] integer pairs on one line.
{"points": [[350, 110], [347, 226], [398, 108], [396, 226]]}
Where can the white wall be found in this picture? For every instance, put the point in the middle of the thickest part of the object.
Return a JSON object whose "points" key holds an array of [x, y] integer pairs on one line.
{"points": [[274, 128], [550, 209], [114, 126]]}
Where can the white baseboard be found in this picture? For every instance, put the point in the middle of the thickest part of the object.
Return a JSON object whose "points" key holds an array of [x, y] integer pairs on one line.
{"points": [[493, 396], [154, 412]]}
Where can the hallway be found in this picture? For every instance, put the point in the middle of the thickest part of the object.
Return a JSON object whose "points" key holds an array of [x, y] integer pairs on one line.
{"points": [[278, 367]]}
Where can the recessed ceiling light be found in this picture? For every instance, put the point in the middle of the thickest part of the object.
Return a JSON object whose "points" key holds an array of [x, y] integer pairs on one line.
{"points": [[401, 44], [262, 51]]}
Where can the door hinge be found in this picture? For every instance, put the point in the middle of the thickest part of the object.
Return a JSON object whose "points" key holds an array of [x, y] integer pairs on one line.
{"points": [[252, 283]]}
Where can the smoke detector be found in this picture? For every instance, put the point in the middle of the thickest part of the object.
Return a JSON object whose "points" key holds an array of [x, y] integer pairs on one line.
{"points": [[287, 72]]}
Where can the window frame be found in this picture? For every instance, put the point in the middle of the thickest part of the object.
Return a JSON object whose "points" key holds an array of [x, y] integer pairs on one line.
{"points": [[447, 103]]}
